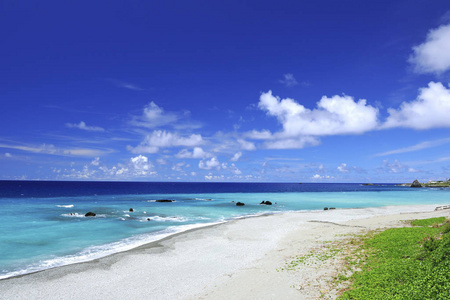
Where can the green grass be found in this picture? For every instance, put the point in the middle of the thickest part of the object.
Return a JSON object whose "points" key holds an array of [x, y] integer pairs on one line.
{"points": [[428, 222], [403, 263]]}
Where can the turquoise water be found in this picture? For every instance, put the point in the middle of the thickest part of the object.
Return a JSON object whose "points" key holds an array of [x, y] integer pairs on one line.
{"points": [[43, 232]]}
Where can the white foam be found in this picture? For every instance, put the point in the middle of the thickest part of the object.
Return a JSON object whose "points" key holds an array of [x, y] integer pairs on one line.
{"points": [[66, 206], [202, 199], [168, 219], [73, 215], [77, 215]]}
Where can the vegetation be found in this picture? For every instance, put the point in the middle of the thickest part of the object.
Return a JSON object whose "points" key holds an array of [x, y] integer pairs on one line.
{"points": [[439, 183], [401, 263]]}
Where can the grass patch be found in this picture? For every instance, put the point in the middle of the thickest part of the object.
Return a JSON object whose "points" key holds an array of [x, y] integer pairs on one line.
{"points": [[428, 222], [402, 263], [315, 257]]}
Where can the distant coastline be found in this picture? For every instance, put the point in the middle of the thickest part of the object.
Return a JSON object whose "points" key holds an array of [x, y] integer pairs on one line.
{"points": [[438, 184]]}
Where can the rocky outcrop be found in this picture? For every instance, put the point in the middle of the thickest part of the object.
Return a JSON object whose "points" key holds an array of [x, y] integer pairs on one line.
{"points": [[90, 214], [416, 184], [131, 210], [240, 204], [165, 200], [266, 203], [325, 208]]}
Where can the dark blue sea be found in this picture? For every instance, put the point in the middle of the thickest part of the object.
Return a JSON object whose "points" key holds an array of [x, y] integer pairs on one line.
{"points": [[43, 223]]}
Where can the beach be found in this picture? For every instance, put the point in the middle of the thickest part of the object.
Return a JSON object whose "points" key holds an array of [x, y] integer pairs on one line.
{"points": [[240, 259]]}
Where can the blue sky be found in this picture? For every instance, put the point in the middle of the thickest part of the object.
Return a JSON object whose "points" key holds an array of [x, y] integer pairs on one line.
{"points": [[267, 91]]}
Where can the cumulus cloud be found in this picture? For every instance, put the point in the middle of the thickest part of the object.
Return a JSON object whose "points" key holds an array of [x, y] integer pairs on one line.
{"points": [[197, 152], [141, 166], [154, 116], [82, 125], [96, 161], [179, 166], [433, 56], [164, 139], [335, 115], [431, 109], [288, 80], [343, 168], [212, 163], [236, 156]]}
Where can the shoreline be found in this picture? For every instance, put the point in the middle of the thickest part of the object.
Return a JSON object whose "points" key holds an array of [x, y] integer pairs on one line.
{"points": [[214, 261]]}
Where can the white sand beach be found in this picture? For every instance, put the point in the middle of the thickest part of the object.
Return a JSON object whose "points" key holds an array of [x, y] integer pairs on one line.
{"points": [[240, 259]]}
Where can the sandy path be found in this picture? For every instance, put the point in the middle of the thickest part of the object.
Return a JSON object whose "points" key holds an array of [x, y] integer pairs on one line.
{"points": [[235, 260]]}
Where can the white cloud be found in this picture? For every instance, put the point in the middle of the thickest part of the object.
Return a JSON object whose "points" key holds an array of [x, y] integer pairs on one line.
{"points": [[288, 80], [178, 166], [140, 166], [246, 145], [161, 161], [343, 168], [433, 56], [53, 150], [234, 169], [213, 163], [236, 156], [259, 135], [317, 176], [393, 167], [197, 152], [82, 125], [297, 143], [431, 109], [130, 86], [164, 139], [154, 116], [417, 147], [96, 161], [335, 115]]}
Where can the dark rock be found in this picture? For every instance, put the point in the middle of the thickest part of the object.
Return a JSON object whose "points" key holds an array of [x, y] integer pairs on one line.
{"points": [[131, 210], [266, 203], [148, 219], [332, 207], [90, 214], [165, 200], [240, 204], [416, 184], [325, 208], [367, 184]]}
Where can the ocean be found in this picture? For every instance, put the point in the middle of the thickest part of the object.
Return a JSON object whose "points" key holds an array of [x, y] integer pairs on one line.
{"points": [[43, 223]]}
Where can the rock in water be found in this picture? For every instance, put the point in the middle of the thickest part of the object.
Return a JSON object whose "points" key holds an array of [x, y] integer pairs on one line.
{"points": [[90, 214], [325, 208], [240, 204], [164, 200], [416, 184], [131, 210], [266, 203]]}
